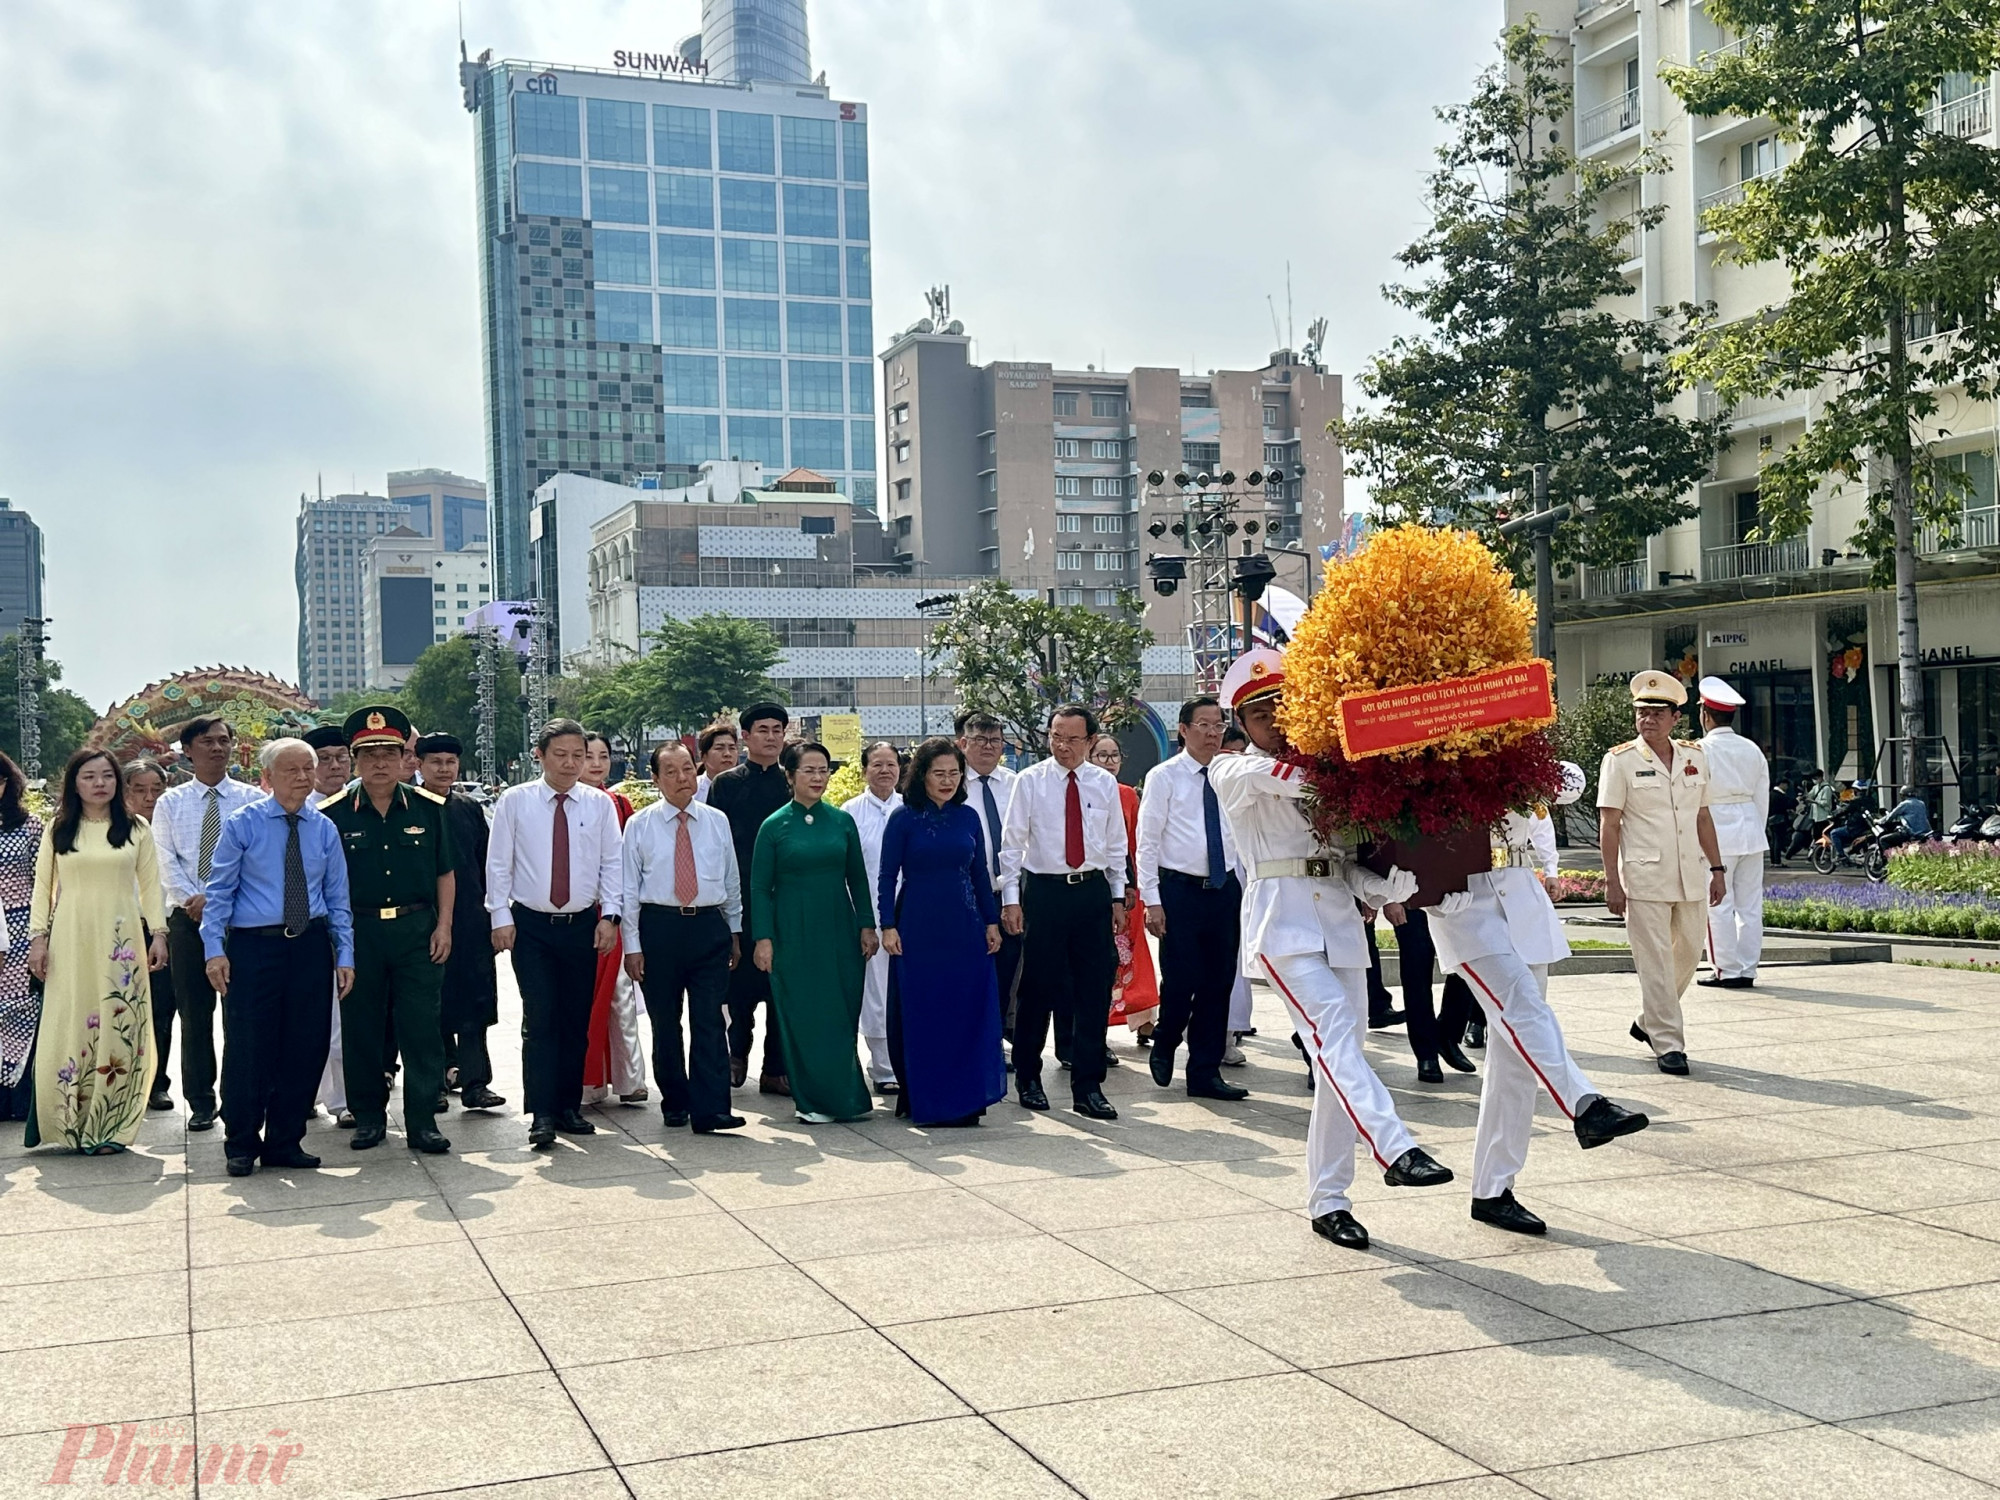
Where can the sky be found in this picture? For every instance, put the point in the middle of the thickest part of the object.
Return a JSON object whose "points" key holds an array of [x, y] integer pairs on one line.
{"points": [[241, 237]]}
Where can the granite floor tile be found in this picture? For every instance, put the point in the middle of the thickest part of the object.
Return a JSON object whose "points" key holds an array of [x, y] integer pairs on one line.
{"points": [[955, 1280], [1217, 1252], [1963, 1439], [508, 1204], [320, 1286], [1160, 1195], [896, 1221], [41, 1317], [1874, 1256], [101, 1250], [129, 1380], [1825, 1462], [551, 1260], [330, 1229], [715, 1309]]}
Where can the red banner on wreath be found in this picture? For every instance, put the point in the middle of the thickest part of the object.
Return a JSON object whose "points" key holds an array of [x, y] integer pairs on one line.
{"points": [[1409, 718]]}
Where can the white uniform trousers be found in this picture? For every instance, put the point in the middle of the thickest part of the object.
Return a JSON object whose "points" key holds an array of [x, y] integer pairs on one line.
{"points": [[333, 1082], [1736, 923], [875, 1018], [1666, 949], [1239, 1005], [1525, 1051], [1329, 1008]]}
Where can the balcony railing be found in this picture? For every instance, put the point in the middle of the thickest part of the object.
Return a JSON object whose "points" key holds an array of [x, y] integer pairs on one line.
{"points": [[1724, 197], [1707, 61], [1612, 582], [1612, 118], [1754, 560], [1977, 529], [1964, 117]]}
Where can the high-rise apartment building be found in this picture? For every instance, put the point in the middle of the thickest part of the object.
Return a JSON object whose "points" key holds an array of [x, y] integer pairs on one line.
{"points": [[1792, 624], [674, 269], [21, 568], [331, 540]]}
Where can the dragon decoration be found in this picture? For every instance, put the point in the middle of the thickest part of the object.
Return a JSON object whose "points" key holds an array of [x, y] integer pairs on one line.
{"points": [[258, 706]]}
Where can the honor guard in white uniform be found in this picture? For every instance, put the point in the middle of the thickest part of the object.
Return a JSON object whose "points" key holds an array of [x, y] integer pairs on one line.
{"points": [[1302, 935], [1502, 933], [1662, 870], [1739, 801]]}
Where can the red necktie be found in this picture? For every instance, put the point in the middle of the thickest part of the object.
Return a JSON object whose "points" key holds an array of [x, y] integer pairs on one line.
{"points": [[1073, 826], [559, 856], [687, 882]]}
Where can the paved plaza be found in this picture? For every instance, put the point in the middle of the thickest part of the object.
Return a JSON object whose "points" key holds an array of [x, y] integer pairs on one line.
{"points": [[1789, 1286]]}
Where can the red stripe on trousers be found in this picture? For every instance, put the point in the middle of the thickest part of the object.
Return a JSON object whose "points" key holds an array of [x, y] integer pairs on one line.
{"points": [[1516, 1040], [1306, 1021]]}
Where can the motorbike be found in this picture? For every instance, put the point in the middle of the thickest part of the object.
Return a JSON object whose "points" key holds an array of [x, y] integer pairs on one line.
{"points": [[1868, 850], [1978, 823]]}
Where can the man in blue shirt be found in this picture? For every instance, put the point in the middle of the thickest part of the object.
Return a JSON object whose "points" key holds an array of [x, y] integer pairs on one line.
{"points": [[277, 931], [1914, 812]]}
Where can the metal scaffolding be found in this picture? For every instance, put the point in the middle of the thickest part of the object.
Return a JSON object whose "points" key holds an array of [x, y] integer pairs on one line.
{"points": [[32, 644]]}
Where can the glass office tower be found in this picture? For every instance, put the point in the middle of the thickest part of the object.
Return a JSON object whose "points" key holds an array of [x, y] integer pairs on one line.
{"points": [[670, 271], [743, 40]]}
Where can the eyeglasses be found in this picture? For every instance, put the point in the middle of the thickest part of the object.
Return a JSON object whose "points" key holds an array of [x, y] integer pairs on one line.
{"points": [[986, 741]]}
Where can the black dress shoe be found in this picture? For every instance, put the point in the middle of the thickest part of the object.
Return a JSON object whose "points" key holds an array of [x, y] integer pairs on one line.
{"points": [[1342, 1228], [888, 1088], [709, 1124], [542, 1131], [1453, 1058], [739, 1069], [1740, 982], [1713, 982], [1504, 1213], [1113, 1060], [443, 1103], [1416, 1168], [1428, 1070], [674, 1119], [161, 1100], [302, 1160], [1094, 1106], [366, 1136], [1162, 1062], [202, 1119], [1216, 1088], [479, 1096], [429, 1142], [1381, 1020], [344, 1120], [572, 1122], [1638, 1034], [1475, 1036], [1600, 1120], [1032, 1096], [1674, 1062], [241, 1166]]}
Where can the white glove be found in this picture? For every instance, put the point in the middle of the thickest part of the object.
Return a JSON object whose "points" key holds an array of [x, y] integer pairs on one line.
{"points": [[1380, 890], [1453, 903]]}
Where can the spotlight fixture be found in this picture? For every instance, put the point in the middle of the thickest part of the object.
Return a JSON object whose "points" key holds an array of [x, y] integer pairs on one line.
{"points": [[1182, 480], [1204, 479], [1157, 529], [1254, 478], [1155, 478], [1166, 572], [1251, 574], [1204, 527], [1250, 528], [1298, 471], [1229, 528], [1179, 529], [1228, 478]]}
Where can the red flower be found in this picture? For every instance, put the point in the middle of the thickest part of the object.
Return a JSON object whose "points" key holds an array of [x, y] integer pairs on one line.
{"points": [[1396, 797]]}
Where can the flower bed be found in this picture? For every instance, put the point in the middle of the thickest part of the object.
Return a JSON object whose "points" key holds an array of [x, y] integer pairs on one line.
{"points": [[1936, 866], [1577, 888], [1824, 906]]}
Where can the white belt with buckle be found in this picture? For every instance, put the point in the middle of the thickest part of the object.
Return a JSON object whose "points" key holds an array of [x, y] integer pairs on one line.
{"points": [[1316, 867]]}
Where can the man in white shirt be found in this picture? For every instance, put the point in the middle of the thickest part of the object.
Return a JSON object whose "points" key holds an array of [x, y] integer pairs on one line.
{"points": [[186, 824], [1739, 804], [1062, 874], [1194, 904], [685, 897], [554, 887], [1302, 935], [881, 769], [989, 787], [717, 745]]}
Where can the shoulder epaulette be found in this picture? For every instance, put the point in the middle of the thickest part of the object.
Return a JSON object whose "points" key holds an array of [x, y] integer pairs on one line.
{"points": [[327, 804], [1621, 749], [426, 792]]}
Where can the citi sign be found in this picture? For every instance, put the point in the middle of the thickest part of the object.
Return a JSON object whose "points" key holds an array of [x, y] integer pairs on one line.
{"points": [[657, 62]]}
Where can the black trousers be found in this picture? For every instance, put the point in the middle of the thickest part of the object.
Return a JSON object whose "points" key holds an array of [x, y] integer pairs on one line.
{"points": [[750, 987], [1417, 955], [276, 1026], [194, 1002], [555, 964], [466, 1051], [687, 960], [1007, 970], [1198, 958], [1068, 961], [162, 984]]}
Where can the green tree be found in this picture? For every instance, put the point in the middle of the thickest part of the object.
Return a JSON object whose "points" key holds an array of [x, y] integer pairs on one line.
{"points": [[441, 696], [607, 698], [1524, 360], [65, 717], [1017, 657], [1889, 225], [693, 669]]}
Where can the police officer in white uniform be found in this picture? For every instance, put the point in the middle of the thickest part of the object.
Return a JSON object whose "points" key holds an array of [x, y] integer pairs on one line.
{"points": [[1502, 933], [1302, 936], [1739, 801]]}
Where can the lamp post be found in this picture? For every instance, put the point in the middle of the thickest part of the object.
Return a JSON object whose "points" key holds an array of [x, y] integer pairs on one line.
{"points": [[936, 607], [1540, 523]]}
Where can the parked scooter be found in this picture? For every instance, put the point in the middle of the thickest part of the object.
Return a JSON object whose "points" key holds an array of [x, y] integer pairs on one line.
{"points": [[1978, 823]]}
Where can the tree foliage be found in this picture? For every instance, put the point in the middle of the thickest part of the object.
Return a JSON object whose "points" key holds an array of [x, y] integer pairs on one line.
{"points": [[441, 697], [1889, 225], [1016, 657], [690, 671], [1524, 358], [65, 717]]}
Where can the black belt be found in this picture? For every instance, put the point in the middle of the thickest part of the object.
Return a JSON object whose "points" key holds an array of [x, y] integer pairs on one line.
{"points": [[680, 911], [1200, 880], [556, 918], [278, 930], [390, 913], [1068, 877]]}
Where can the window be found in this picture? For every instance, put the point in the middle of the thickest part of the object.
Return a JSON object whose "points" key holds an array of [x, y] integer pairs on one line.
{"points": [[618, 197], [625, 317], [545, 125], [812, 327], [687, 380], [1103, 404], [899, 414], [1759, 158], [860, 278], [1069, 523], [1069, 596], [816, 525], [1104, 596], [819, 444], [541, 265], [1069, 486], [572, 239], [546, 189], [854, 150], [861, 389], [750, 266], [617, 130], [749, 207], [1069, 562], [687, 322], [1274, 416], [690, 439], [1065, 403], [857, 214], [863, 433], [541, 296], [860, 329], [683, 201], [808, 147], [755, 385], [620, 255], [1113, 449], [573, 299], [902, 489], [1205, 455], [1108, 524], [687, 261], [816, 385], [576, 390], [758, 440], [744, 143], [812, 270], [812, 211], [1196, 398], [750, 324], [680, 137], [1107, 487], [1066, 447], [607, 390], [1108, 562]]}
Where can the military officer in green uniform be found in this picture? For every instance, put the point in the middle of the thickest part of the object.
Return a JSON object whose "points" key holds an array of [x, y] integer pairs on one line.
{"points": [[400, 865]]}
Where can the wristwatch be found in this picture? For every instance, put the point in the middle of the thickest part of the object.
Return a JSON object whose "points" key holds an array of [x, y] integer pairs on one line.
{"points": [[1712, 869]]}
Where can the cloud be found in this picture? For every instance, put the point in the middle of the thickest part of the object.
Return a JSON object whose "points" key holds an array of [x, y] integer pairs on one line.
{"points": [[243, 249]]}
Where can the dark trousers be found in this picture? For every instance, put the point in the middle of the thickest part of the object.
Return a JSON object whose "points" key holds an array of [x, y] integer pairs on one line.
{"points": [[194, 1002], [466, 1051], [1417, 957], [162, 981], [750, 987], [1068, 961], [1198, 958], [687, 959], [393, 1004], [276, 1025], [555, 966], [1007, 970]]}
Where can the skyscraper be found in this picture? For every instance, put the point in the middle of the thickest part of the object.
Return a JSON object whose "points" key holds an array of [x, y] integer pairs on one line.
{"points": [[20, 568], [674, 268], [330, 547], [743, 40]]}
